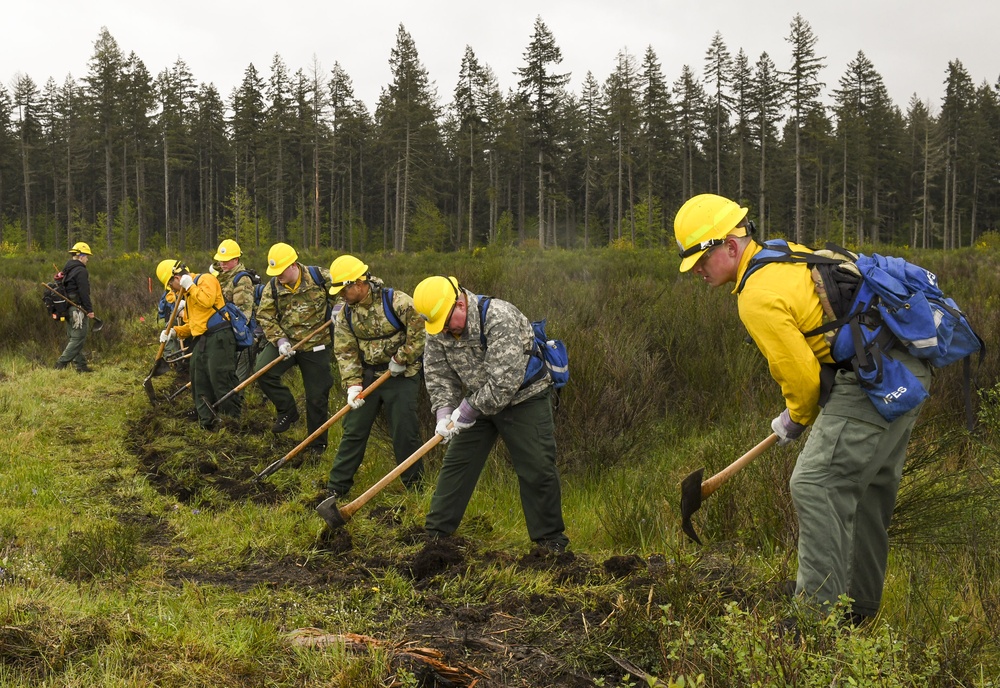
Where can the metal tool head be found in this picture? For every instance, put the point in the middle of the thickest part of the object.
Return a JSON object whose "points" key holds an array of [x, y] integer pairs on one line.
{"points": [[330, 512], [691, 502], [147, 385]]}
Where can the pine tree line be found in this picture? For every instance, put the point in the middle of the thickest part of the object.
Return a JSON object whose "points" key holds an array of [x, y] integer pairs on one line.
{"points": [[136, 162]]}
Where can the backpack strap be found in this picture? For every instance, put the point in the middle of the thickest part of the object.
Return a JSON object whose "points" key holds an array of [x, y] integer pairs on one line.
{"points": [[484, 304]]}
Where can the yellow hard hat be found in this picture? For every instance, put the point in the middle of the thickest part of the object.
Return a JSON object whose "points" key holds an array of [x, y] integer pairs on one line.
{"points": [[166, 269], [703, 222], [344, 270], [81, 247], [228, 250], [280, 257], [212, 270], [433, 299]]}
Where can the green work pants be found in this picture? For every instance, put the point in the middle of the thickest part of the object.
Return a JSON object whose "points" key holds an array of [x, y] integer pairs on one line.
{"points": [[316, 379], [844, 489], [398, 396], [528, 431], [213, 375], [77, 337]]}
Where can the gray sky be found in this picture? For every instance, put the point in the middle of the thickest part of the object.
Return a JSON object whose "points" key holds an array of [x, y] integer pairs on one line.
{"points": [[909, 42]]}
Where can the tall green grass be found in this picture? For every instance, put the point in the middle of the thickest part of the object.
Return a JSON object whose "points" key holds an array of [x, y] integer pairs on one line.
{"points": [[108, 578]]}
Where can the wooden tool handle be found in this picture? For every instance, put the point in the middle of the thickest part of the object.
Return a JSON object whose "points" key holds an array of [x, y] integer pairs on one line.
{"points": [[715, 482]]}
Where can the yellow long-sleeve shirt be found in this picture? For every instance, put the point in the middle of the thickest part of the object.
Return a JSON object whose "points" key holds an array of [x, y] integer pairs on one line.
{"points": [[199, 299], [778, 303]]}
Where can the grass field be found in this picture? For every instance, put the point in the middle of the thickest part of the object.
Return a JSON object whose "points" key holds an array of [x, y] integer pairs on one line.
{"points": [[138, 550]]}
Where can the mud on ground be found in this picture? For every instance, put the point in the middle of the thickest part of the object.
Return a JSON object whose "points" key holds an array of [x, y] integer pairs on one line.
{"points": [[553, 634]]}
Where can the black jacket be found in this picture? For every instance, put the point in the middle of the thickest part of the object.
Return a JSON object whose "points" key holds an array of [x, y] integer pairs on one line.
{"points": [[77, 282]]}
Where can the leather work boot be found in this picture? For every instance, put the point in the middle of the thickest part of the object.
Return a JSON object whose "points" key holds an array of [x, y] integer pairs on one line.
{"points": [[285, 421], [60, 365]]}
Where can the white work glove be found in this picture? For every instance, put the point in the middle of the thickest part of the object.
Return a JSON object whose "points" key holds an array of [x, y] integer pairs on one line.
{"points": [[444, 426], [786, 429], [181, 305], [285, 348], [464, 416], [396, 368], [352, 397], [186, 281], [167, 335]]}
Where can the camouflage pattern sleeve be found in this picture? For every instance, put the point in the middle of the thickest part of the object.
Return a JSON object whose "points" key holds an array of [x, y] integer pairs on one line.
{"points": [[509, 341], [267, 314], [491, 379], [345, 350], [444, 387], [411, 351]]}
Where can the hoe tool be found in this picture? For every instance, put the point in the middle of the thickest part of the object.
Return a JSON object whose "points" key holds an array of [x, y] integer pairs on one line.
{"points": [[178, 357], [320, 430], [98, 323], [175, 394], [240, 387], [338, 517], [160, 366], [694, 489]]}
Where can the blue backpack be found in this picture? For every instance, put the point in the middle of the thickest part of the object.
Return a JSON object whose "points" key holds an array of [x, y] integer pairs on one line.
{"points": [[547, 355], [242, 331], [874, 304]]}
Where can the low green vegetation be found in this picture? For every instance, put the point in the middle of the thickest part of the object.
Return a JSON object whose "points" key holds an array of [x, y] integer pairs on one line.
{"points": [[138, 550]]}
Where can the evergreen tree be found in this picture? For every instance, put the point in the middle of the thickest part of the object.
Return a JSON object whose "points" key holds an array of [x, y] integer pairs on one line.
{"points": [[804, 88], [540, 88], [956, 120], [742, 104], [689, 109], [138, 102], [103, 83], [622, 117], [768, 97], [718, 77], [27, 104], [247, 131], [408, 119]]}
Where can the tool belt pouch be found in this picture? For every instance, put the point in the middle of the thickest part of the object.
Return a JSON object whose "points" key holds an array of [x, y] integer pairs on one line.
{"points": [[890, 385]]}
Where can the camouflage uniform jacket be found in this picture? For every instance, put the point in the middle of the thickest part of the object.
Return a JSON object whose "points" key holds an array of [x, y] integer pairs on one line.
{"points": [[242, 294], [300, 308], [455, 368], [201, 300], [367, 345]]}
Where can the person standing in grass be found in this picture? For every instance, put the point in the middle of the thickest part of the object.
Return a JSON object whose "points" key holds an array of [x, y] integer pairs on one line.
{"points": [[295, 302], [77, 283], [486, 380], [237, 288], [847, 475], [377, 330], [211, 339]]}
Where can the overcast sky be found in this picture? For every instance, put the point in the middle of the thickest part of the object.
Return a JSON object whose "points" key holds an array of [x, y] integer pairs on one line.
{"points": [[909, 42]]}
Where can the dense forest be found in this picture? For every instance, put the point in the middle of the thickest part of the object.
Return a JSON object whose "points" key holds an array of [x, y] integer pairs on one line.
{"points": [[129, 161]]}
